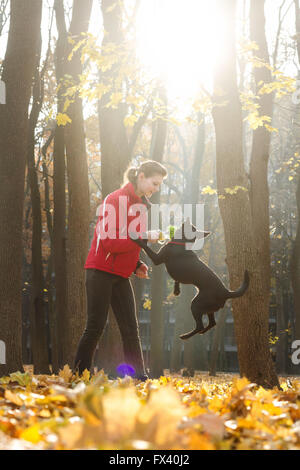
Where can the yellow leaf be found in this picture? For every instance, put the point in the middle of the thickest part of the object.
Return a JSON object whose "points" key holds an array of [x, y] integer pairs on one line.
{"points": [[200, 442], [66, 373], [63, 119], [115, 100], [23, 379], [67, 104], [240, 384], [270, 128], [31, 434], [13, 398], [86, 376], [208, 190], [129, 121]]}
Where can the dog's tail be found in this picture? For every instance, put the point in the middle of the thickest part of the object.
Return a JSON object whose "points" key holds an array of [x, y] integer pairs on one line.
{"points": [[191, 333], [241, 291], [176, 288]]}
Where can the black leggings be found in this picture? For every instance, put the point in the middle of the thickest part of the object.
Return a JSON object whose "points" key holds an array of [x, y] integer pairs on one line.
{"points": [[104, 289]]}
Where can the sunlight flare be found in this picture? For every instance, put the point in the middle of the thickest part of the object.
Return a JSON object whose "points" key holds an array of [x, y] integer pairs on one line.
{"points": [[177, 42]]}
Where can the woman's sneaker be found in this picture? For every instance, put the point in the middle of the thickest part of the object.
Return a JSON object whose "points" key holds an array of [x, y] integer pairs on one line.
{"points": [[142, 378]]}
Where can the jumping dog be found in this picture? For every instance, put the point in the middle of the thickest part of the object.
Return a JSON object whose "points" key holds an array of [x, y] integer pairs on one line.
{"points": [[185, 267]]}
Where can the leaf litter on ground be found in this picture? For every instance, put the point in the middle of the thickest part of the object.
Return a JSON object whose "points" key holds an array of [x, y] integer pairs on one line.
{"points": [[67, 411]]}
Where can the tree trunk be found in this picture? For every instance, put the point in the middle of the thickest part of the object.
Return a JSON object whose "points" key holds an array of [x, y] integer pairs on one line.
{"points": [[157, 285], [53, 336], [259, 189], [115, 156], [37, 308], [184, 319], [251, 312], [295, 258], [59, 190], [189, 357], [297, 17], [177, 346], [116, 148], [78, 192], [59, 241], [52, 330], [115, 153], [157, 322], [295, 267], [280, 324], [219, 330], [195, 350], [18, 70]]}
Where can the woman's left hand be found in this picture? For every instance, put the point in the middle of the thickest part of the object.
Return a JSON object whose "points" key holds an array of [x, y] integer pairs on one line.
{"points": [[153, 236], [142, 271]]}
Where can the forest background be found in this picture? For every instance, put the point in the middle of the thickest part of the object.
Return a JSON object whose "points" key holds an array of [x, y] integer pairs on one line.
{"points": [[207, 89]]}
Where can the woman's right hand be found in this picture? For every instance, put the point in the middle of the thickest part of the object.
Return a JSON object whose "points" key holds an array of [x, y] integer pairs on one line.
{"points": [[142, 271]]}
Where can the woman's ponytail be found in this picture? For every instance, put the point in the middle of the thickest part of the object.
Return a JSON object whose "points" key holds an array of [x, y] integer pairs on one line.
{"points": [[149, 168], [131, 175]]}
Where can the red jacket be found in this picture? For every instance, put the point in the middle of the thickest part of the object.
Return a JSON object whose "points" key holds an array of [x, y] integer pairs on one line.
{"points": [[112, 250]]}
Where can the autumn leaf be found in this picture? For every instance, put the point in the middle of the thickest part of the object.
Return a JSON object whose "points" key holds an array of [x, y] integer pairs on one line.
{"points": [[62, 119], [129, 121], [147, 304], [66, 373], [31, 434]]}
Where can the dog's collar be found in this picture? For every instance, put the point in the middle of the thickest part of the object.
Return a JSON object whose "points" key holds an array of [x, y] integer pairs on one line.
{"points": [[177, 243]]}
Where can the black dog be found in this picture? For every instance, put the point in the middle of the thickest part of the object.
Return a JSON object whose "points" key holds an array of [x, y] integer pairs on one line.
{"points": [[185, 267]]}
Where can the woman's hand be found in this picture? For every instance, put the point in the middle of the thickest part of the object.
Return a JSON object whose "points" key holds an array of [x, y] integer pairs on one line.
{"points": [[142, 271], [153, 236]]}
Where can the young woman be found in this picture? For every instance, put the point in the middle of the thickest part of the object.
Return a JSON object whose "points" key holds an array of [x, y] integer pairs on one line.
{"points": [[112, 258]]}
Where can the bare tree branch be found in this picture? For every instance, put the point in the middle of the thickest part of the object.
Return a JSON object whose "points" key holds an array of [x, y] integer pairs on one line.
{"points": [[280, 22], [4, 14]]}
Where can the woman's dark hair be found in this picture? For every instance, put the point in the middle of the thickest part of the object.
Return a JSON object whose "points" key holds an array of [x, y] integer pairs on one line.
{"points": [[149, 168]]}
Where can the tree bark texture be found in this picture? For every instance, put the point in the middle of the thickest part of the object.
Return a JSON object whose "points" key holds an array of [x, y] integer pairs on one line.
{"points": [[59, 190], [115, 157], [18, 70], [295, 258], [39, 344], [115, 154], [78, 197], [259, 189], [158, 272], [251, 312]]}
